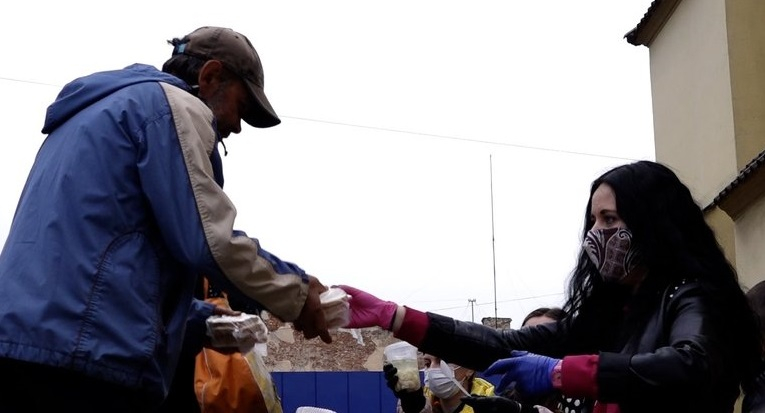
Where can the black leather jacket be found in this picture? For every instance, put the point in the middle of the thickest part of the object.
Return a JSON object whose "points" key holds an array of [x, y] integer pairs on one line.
{"points": [[754, 398], [684, 359]]}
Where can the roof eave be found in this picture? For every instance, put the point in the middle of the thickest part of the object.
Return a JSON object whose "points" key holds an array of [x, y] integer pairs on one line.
{"points": [[748, 187], [652, 22]]}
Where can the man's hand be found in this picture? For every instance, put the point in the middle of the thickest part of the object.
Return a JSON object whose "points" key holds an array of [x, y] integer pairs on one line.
{"points": [[311, 320], [222, 310]]}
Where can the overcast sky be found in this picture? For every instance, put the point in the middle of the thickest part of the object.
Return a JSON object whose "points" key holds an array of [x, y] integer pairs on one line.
{"points": [[401, 122]]}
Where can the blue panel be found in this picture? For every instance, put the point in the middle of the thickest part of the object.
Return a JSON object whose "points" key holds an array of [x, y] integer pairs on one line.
{"points": [[332, 391], [298, 389], [277, 379], [364, 393], [343, 392]]}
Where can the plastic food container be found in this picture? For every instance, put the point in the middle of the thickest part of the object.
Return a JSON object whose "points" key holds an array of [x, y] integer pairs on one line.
{"points": [[334, 303], [403, 356]]}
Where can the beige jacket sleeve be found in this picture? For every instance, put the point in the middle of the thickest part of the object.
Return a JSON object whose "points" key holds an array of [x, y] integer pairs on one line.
{"points": [[236, 255]]}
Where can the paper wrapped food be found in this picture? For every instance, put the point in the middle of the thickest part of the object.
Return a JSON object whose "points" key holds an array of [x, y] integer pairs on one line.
{"points": [[334, 303], [242, 331]]}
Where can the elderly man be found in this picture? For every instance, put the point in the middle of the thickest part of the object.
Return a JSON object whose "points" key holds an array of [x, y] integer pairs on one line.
{"points": [[123, 209]]}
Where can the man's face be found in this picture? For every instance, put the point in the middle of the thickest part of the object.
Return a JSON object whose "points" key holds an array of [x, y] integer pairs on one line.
{"points": [[229, 102]]}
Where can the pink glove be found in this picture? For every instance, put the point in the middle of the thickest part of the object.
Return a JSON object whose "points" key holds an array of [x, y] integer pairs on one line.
{"points": [[368, 310]]}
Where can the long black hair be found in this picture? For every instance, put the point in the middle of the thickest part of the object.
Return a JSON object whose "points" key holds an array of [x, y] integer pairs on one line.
{"points": [[675, 242]]}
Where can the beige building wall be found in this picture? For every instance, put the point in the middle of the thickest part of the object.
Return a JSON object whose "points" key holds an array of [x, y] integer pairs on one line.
{"points": [[724, 230], [707, 61], [746, 50], [746, 55], [708, 85], [750, 241], [692, 102]]}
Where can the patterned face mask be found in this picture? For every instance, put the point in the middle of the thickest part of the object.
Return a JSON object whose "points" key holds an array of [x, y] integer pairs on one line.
{"points": [[612, 252]]}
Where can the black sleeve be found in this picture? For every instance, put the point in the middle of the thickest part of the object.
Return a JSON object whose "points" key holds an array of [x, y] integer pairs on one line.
{"points": [[477, 346]]}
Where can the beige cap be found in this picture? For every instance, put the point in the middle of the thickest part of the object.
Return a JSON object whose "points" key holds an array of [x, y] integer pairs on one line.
{"points": [[236, 52]]}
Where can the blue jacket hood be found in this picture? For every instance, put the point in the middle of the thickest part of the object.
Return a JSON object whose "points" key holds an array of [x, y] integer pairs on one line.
{"points": [[86, 90]]}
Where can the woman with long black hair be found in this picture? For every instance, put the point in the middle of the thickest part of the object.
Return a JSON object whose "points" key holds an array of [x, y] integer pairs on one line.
{"points": [[656, 319]]}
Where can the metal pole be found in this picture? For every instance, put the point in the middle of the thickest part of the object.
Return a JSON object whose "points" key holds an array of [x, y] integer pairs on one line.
{"points": [[472, 313], [493, 252]]}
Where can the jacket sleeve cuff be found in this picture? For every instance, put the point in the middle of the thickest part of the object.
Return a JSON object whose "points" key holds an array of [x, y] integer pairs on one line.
{"points": [[200, 311], [579, 376], [196, 326], [414, 327]]}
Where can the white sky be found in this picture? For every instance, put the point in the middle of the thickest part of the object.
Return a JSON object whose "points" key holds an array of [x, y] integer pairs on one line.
{"points": [[379, 174]]}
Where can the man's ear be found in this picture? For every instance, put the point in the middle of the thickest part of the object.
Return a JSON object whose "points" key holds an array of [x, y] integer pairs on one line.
{"points": [[210, 76]]}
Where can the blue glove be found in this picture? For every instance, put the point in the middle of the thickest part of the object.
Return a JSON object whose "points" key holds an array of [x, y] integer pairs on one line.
{"points": [[531, 373]]}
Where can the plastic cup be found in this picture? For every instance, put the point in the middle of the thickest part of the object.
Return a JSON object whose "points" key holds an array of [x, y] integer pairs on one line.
{"points": [[403, 356]]}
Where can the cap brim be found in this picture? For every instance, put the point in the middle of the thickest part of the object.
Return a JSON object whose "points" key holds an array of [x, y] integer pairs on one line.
{"points": [[261, 114]]}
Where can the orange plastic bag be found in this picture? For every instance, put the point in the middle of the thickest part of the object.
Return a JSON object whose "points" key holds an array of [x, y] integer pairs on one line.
{"points": [[233, 382]]}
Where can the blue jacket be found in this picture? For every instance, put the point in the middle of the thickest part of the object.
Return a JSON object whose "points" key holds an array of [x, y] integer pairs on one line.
{"points": [[120, 213]]}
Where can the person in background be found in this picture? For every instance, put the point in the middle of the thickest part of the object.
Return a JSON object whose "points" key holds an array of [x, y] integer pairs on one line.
{"points": [[553, 403], [122, 210], [543, 315], [754, 390], [445, 385], [430, 399], [656, 319]]}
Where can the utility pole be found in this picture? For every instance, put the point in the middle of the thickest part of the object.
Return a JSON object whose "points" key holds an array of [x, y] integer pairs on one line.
{"points": [[493, 252], [472, 313]]}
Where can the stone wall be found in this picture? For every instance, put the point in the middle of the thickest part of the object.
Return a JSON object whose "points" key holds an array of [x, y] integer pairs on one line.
{"points": [[500, 323], [350, 350]]}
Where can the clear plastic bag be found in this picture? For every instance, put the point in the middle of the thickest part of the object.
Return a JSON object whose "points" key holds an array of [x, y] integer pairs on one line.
{"points": [[334, 303], [242, 331]]}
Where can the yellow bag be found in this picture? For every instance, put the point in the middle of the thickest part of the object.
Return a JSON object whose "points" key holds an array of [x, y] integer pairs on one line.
{"points": [[233, 382]]}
